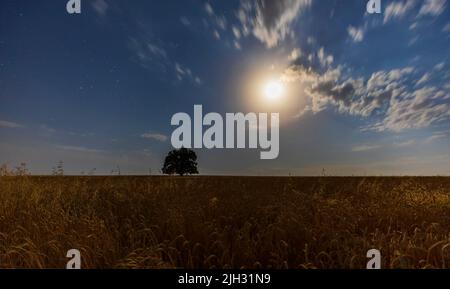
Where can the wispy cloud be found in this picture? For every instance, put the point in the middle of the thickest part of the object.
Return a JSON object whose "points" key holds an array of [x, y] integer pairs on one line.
{"points": [[436, 136], [413, 40], [209, 9], [270, 21], [183, 72], [100, 6], [72, 133], [295, 54], [425, 77], [364, 148], [386, 93], [216, 34], [398, 9], [148, 54], [156, 50], [446, 28], [439, 66], [356, 34], [432, 7], [218, 20], [46, 129], [9, 124], [79, 149], [236, 32], [405, 143], [155, 136], [418, 109], [324, 59], [152, 56], [185, 21]]}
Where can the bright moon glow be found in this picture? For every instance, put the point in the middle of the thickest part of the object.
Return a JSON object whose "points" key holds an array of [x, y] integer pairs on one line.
{"points": [[273, 90]]}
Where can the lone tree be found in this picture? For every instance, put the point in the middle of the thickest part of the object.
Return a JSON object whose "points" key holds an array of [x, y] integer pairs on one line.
{"points": [[182, 162]]}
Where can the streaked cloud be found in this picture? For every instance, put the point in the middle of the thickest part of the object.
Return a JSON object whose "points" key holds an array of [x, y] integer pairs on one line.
{"points": [[148, 54], [185, 21], [405, 143], [398, 9], [425, 77], [209, 9], [156, 50], [365, 147], [237, 45], [446, 28], [217, 20], [100, 6], [432, 7], [356, 34], [436, 136], [386, 94], [9, 124], [418, 109], [295, 54], [152, 56], [155, 136], [413, 26], [79, 149], [413, 40], [236, 32], [47, 129], [324, 59], [216, 34], [270, 21], [183, 72], [439, 66]]}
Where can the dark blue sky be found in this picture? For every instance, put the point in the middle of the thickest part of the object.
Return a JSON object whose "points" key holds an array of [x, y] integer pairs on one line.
{"points": [[365, 94]]}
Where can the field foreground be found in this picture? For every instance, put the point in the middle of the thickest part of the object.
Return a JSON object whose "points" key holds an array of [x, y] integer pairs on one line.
{"points": [[224, 222]]}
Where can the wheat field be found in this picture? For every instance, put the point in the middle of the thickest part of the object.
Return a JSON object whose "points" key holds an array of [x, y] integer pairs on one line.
{"points": [[224, 222]]}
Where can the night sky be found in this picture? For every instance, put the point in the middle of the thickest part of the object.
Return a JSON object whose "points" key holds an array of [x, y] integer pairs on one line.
{"points": [[364, 94]]}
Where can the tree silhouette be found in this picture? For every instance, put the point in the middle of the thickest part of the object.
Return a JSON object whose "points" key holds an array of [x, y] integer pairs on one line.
{"points": [[182, 162]]}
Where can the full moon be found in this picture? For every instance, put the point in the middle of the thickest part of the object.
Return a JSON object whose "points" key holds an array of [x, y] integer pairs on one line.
{"points": [[273, 90]]}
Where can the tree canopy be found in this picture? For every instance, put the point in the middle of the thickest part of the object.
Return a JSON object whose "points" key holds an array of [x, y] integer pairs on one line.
{"points": [[181, 162]]}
